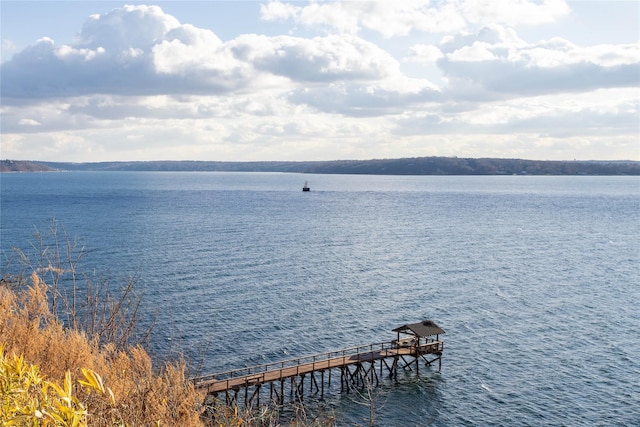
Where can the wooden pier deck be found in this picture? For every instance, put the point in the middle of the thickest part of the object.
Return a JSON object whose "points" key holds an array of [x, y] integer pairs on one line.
{"points": [[357, 367], [355, 364]]}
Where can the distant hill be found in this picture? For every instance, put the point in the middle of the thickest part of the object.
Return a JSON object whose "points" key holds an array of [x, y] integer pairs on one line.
{"points": [[23, 166], [404, 166]]}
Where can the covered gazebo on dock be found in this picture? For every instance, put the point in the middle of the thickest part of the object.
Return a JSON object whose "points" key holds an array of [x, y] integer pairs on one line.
{"points": [[415, 332], [420, 339]]}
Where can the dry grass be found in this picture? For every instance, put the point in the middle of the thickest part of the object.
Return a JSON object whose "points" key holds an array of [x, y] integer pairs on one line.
{"points": [[142, 397]]}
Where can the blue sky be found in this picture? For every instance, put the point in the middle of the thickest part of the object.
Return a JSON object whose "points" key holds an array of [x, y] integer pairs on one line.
{"points": [[280, 80]]}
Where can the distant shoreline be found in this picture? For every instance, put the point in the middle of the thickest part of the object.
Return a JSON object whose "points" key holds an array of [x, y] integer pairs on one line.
{"points": [[403, 166]]}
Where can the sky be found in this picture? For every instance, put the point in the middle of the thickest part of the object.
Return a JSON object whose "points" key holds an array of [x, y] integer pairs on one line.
{"points": [[89, 81]]}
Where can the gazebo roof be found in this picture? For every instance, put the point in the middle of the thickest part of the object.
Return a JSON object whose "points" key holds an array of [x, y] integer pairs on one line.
{"points": [[425, 328]]}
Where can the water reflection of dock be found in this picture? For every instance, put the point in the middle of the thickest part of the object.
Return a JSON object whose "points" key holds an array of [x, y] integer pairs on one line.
{"points": [[358, 366]]}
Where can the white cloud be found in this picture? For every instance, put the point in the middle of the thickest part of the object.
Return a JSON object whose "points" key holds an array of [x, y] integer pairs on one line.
{"points": [[67, 53], [338, 16], [278, 11], [321, 59], [497, 63], [560, 52], [478, 51], [513, 12], [392, 96], [189, 51], [400, 18], [175, 58], [597, 113], [387, 18], [136, 27], [28, 122]]}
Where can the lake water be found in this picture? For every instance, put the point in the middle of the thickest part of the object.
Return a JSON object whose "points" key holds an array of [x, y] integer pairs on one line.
{"points": [[536, 280]]}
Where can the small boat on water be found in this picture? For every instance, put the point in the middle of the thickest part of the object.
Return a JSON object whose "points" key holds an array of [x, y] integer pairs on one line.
{"points": [[305, 187]]}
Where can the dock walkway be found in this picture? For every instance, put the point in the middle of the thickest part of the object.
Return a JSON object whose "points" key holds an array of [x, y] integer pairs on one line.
{"points": [[355, 364]]}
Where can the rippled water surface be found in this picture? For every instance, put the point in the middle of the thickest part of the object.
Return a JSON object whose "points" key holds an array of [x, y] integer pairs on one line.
{"points": [[534, 279]]}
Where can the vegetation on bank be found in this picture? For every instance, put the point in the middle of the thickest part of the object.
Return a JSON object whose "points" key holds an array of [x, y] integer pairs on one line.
{"points": [[69, 355]]}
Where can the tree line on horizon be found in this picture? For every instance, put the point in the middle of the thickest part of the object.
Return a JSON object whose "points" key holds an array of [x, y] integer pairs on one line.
{"points": [[403, 166]]}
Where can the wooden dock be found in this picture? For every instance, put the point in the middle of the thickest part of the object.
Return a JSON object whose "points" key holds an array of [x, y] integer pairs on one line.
{"points": [[357, 366]]}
